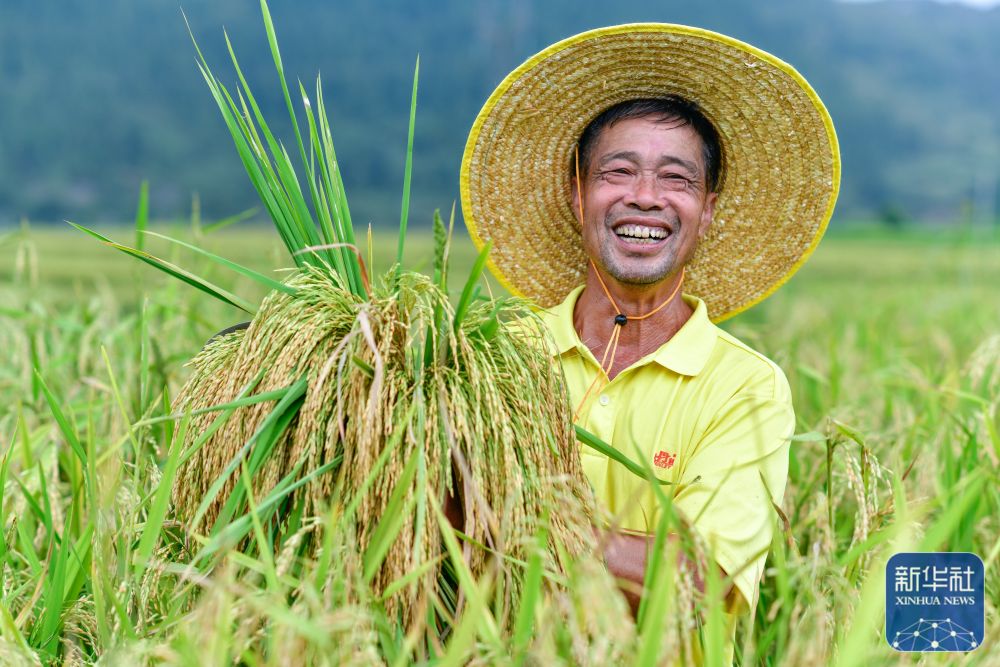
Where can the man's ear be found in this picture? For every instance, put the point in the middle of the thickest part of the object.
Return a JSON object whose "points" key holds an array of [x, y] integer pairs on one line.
{"points": [[706, 213]]}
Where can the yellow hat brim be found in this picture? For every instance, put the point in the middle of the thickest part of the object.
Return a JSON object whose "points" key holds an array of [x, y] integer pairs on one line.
{"points": [[782, 159]]}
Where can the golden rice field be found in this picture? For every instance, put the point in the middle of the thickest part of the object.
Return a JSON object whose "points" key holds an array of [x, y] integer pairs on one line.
{"points": [[891, 344]]}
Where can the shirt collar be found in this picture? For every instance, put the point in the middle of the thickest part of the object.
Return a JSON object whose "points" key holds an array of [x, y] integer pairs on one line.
{"points": [[686, 353]]}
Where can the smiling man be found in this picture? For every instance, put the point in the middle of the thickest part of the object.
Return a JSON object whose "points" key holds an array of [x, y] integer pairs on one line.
{"points": [[640, 182]]}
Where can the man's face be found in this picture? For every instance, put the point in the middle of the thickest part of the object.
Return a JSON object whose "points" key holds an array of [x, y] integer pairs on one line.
{"points": [[645, 201]]}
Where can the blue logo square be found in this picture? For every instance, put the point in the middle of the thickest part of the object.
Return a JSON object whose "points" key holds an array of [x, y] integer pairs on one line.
{"points": [[934, 601]]}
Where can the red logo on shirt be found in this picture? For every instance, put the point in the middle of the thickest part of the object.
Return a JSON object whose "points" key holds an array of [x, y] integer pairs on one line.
{"points": [[664, 459]]}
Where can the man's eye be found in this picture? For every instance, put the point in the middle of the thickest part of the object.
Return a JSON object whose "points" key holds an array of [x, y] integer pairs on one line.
{"points": [[676, 181], [616, 174]]}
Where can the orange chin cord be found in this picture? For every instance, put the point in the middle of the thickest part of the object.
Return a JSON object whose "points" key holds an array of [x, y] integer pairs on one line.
{"points": [[621, 319]]}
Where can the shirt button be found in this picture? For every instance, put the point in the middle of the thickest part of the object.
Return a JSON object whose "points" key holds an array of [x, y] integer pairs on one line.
{"points": [[604, 399]]}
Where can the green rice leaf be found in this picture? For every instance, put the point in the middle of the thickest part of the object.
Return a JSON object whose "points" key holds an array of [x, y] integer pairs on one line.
{"points": [[405, 207], [26, 547], [488, 329], [420, 516], [531, 594], [324, 200], [337, 196], [263, 448], [68, 432], [76, 566], [195, 281], [43, 491], [101, 544], [46, 632], [810, 436], [332, 167], [254, 159], [4, 469], [363, 366], [161, 500], [462, 640], [959, 501], [270, 283], [12, 313], [36, 509], [653, 616], [230, 220], [221, 407], [714, 629], [595, 443], [266, 435], [263, 545], [142, 214], [410, 577], [119, 401], [467, 293], [143, 397], [397, 509], [228, 411], [238, 528], [176, 272], [327, 197], [275, 53]]}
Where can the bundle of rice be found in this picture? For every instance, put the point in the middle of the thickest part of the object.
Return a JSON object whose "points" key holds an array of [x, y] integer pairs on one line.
{"points": [[404, 401]]}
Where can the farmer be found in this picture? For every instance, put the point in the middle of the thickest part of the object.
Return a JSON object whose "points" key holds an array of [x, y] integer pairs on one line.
{"points": [[642, 183]]}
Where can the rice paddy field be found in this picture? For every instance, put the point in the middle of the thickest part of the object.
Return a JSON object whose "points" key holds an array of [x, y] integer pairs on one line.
{"points": [[891, 344]]}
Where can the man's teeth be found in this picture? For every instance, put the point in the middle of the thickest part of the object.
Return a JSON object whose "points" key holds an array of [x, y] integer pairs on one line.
{"points": [[642, 232]]}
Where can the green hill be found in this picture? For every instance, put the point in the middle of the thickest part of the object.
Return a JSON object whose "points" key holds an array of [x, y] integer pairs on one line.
{"points": [[96, 97]]}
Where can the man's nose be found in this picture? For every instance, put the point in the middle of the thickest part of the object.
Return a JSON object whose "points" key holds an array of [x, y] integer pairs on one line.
{"points": [[644, 193]]}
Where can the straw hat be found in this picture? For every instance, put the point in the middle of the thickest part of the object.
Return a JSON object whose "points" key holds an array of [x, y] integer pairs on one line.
{"points": [[781, 160]]}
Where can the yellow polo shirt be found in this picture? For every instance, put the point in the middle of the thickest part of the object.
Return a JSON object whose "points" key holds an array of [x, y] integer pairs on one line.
{"points": [[703, 406]]}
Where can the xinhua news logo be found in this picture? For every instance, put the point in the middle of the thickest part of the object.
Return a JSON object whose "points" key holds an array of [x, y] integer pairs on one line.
{"points": [[934, 602]]}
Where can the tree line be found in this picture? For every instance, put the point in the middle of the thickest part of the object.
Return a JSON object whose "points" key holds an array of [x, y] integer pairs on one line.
{"points": [[98, 97]]}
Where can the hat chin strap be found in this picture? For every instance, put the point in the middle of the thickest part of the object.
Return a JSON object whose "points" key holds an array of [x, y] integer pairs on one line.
{"points": [[620, 320]]}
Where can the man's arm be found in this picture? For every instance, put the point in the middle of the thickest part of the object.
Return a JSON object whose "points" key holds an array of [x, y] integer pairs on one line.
{"points": [[741, 464]]}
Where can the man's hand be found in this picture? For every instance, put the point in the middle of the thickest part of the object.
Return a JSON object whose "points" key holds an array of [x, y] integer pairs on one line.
{"points": [[626, 555]]}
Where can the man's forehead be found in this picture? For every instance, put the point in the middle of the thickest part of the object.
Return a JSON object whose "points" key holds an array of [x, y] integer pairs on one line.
{"points": [[650, 140]]}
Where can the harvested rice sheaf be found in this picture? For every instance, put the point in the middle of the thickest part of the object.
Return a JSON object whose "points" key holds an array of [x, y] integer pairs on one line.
{"points": [[477, 409]]}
